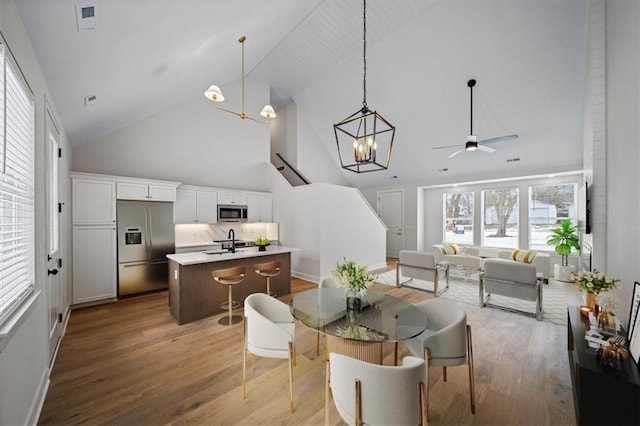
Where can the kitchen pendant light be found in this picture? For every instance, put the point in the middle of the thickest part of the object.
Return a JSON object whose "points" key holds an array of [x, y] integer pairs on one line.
{"points": [[215, 94], [365, 136]]}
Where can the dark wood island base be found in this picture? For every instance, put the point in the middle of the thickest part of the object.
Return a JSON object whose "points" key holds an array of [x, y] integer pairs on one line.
{"points": [[194, 294]]}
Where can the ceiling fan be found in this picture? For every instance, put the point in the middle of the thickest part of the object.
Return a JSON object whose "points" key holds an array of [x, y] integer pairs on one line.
{"points": [[472, 141]]}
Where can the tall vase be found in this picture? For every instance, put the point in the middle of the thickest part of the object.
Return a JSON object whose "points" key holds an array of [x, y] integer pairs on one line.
{"points": [[591, 301], [354, 300]]}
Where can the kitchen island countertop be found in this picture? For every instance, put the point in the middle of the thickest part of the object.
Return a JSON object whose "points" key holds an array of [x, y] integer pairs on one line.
{"points": [[195, 258]]}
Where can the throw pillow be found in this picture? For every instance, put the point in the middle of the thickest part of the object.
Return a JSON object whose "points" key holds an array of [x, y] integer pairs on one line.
{"points": [[525, 256], [451, 249]]}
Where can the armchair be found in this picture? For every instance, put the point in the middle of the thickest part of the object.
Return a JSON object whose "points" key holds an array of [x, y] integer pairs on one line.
{"points": [[512, 279], [421, 266]]}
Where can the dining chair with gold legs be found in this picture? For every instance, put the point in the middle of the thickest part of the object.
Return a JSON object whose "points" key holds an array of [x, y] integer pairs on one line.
{"points": [[269, 332], [447, 338]]}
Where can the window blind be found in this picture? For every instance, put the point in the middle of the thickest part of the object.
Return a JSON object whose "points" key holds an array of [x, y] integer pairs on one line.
{"points": [[17, 277]]}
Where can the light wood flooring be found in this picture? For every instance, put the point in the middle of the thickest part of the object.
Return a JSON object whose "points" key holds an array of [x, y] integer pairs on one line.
{"points": [[128, 363]]}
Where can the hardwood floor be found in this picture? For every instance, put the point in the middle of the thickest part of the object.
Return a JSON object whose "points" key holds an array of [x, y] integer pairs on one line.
{"points": [[129, 363]]}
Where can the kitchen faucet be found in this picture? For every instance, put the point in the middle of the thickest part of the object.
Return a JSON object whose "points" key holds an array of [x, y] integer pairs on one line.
{"points": [[232, 235]]}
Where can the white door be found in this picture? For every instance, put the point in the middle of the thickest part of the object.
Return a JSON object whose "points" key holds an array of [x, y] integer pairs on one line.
{"points": [[390, 210], [54, 258]]}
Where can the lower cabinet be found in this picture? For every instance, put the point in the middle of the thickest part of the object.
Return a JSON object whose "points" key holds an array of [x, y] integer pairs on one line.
{"points": [[94, 263]]}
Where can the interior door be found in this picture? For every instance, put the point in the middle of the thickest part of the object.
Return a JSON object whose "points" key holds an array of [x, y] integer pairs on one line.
{"points": [[54, 258], [390, 210]]}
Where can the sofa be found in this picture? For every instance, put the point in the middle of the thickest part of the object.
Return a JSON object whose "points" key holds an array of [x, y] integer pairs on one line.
{"points": [[473, 257]]}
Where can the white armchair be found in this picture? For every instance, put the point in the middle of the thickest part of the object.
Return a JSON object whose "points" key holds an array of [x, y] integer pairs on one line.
{"points": [[269, 332], [512, 279], [541, 262], [374, 394], [421, 266], [447, 340]]}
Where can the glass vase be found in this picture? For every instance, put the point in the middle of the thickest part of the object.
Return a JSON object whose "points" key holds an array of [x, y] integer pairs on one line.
{"points": [[591, 301], [354, 300]]}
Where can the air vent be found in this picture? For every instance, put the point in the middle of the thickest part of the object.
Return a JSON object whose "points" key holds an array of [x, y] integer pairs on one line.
{"points": [[86, 16], [443, 170], [90, 100], [513, 160]]}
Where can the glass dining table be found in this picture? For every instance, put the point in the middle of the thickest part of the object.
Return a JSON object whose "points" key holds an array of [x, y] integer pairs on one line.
{"points": [[358, 333]]}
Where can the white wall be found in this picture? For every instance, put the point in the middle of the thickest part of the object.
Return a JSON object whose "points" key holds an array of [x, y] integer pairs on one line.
{"points": [[327, 222], [24, 371], [192, 143], [622, 146]]}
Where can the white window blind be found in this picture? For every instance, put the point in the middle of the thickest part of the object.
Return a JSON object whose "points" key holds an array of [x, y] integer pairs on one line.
{"points": [[16, 187]]}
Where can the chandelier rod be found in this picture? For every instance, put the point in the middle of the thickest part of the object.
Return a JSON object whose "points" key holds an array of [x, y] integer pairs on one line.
{"points": [[364, 54]]}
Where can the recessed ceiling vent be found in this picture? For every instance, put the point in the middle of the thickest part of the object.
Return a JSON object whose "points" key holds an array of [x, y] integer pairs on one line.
{"points": [[90, 100], [86, 16], [513, 160]]}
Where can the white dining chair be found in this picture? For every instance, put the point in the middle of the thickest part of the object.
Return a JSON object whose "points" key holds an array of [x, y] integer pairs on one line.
{"points": [[325, 282], [269, 332], [447, 340], [372, 394]]}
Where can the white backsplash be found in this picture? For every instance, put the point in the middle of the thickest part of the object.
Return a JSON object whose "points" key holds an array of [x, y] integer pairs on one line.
{"points": [[205, 233]]}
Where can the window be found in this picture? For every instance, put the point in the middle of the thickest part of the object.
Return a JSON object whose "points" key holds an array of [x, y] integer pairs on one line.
{"points": [[548, 205], [458, 218], [500, 218], [16, 187]]}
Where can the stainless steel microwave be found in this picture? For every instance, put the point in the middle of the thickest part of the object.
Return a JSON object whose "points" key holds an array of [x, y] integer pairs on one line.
{"points": [[232, 213]]}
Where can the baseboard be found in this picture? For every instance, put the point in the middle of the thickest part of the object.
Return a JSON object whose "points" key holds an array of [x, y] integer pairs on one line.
{"points": [[38, 400], [307, 277]]}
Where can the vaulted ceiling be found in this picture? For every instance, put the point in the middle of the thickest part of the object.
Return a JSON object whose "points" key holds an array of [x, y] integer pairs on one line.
{"points": [[147, 56]]}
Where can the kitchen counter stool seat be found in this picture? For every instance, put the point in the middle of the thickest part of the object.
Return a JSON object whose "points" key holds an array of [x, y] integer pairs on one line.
{"points": [[268, 270], [230, 277]]}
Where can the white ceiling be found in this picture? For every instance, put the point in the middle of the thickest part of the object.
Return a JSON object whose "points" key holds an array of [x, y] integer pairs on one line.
{"points": [[148, 55]]}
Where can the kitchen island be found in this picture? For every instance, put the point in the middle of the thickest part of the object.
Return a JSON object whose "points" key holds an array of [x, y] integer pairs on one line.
{"points": [[193, 293]]}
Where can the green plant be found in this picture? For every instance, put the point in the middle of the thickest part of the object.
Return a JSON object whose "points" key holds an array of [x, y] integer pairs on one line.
{"points": [[594, 282], [352, 276], [564, 238], [262, 241]]}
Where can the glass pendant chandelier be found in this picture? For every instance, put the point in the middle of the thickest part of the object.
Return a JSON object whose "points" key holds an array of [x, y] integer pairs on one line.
{"points": [[364, 138]]}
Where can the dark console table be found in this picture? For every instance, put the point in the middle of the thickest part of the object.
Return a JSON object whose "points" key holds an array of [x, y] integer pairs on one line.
{"points": [[601, 395]]}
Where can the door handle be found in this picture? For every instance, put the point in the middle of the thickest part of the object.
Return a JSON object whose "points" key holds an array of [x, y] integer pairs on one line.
{"points": [[52, 271]]}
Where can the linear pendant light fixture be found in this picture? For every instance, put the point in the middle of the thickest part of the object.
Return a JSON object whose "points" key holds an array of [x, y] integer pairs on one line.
{"points": [[215, 94], [364, 136]]}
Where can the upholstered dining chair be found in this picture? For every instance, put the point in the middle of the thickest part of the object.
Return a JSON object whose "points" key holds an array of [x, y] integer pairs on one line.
{"points": [[325, 282], [447, 340], [269, 332], [374, 394]]}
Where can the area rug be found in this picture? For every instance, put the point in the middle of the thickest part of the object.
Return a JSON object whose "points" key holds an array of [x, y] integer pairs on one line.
{"points": [[465, 289]]}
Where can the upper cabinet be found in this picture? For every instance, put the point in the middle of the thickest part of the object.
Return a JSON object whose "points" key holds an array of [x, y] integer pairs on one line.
{"points": [[94, 202], [195, 206], [259, 208], [146, 191], [232, 197]]}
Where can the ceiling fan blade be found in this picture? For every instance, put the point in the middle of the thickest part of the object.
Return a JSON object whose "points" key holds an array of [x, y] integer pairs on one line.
{"points": [[486, 149], [448, 146], [457, 152], [499, 139]]}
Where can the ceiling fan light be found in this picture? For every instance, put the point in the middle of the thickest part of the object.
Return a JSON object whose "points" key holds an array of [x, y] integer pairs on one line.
{"points": [[214, 93], [471, 146], [268, 112]]}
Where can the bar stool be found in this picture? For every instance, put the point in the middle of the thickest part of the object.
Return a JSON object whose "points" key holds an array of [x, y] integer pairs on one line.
{"points": [[230, 277], [268, 269]]}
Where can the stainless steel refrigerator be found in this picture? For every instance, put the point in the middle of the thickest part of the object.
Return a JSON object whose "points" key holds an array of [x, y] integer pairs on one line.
{"points": [[145, 237]]}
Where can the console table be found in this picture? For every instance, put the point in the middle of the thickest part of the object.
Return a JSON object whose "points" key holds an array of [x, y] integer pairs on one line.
{"points": [[601, 395]]}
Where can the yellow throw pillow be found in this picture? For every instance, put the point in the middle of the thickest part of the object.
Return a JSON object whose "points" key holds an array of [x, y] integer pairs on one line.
{"points": [[451, 249], [525, 256]]}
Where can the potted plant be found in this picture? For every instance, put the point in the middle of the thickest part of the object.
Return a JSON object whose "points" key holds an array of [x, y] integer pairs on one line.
{"points": [[262, 243], [354, 279], [565, 238]]}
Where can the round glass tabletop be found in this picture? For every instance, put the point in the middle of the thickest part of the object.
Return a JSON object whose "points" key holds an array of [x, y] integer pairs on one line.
{"points": [[381, 318]]}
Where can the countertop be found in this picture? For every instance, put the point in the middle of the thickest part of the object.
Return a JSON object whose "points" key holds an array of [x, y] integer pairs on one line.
{"points": [[241, 253]]}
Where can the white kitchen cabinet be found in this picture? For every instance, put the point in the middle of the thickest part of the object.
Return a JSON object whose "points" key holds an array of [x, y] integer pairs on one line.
{"points": [[94, 263], [259, 208], [195, 206], [94, 202], [145, 191], [232, 197]]}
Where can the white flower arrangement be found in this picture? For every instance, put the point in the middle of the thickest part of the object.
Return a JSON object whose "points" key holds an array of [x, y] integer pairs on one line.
{"points": [[594, 281]]}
